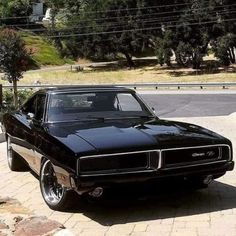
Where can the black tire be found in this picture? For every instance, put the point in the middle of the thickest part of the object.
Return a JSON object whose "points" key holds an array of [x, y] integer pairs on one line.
{"points": [[57, 197], [14, 160]]}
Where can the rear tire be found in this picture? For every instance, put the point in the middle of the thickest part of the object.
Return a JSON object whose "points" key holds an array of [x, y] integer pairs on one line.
{"points": [[56, 196], [14, 160]]}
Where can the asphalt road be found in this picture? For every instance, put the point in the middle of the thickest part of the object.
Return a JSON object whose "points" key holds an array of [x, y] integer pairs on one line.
{"points": [[191, 105]]}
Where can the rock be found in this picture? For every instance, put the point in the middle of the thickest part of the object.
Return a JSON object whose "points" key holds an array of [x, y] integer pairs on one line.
{"points": [[3, 226], [18, 219], [37, 226]]}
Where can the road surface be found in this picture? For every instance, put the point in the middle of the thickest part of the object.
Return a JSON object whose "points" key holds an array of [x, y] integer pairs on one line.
{"points": [[194, 104]]}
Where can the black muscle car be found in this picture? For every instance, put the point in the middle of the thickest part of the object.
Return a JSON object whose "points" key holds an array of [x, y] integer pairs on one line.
{"points": [[82, 139]]}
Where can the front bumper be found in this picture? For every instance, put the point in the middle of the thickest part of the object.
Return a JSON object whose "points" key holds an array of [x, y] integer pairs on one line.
{"points": [[217, 170]]}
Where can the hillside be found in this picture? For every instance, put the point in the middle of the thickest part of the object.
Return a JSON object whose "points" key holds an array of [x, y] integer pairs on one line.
{"points": [[44, 53]]}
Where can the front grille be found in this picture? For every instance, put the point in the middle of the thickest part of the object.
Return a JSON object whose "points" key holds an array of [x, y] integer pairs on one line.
{"points": [[181, 157], [119, 162]]}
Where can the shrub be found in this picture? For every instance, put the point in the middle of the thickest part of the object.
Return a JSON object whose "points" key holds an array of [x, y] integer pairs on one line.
{"points": [[9, 103]]}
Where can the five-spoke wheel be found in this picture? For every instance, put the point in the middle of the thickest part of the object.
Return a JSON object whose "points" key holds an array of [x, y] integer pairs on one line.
{"points": [[54, 194]]}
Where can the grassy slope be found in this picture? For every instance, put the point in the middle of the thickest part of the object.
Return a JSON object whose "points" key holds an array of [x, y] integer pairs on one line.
{"points": [[44, 53]]}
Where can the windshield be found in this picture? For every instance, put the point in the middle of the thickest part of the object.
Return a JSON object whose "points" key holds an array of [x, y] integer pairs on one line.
{"points": [[95, 105]]}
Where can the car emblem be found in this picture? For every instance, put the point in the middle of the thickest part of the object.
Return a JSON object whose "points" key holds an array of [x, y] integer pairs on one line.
{"points": [[210, 153], [202, 154], [198, 154]]}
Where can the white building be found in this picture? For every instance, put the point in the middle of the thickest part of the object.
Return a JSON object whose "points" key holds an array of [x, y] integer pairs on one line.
{"points": [[38, 12]]}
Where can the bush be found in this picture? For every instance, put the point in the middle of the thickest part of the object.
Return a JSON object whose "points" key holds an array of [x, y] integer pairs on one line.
{"points": [[23, 95], [8, 103]]}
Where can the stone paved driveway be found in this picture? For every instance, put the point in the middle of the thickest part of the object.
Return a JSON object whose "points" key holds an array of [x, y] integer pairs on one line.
{"points": [[160, 212]]}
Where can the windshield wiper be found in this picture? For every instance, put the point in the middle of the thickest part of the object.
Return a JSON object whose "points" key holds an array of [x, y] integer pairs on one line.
{"points": [[103, 119], [146, 117]]}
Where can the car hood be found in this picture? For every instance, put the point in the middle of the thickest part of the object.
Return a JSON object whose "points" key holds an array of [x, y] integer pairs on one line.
{"points": [[119, 136]]}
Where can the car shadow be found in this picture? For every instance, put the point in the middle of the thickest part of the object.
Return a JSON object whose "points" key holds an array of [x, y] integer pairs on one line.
{"points": [[151, 202]]}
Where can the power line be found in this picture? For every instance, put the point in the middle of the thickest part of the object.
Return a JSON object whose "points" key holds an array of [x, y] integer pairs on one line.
{"points": [[118, 25], [128, 9], [153, 14], [142, 8], [19, 17], [136, 30], [128, 16]]}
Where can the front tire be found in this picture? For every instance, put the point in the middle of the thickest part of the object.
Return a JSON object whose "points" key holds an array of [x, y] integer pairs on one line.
{"points": [[14, 161], [55, 195]]}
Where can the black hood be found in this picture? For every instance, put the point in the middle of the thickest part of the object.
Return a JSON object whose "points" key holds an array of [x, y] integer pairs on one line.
{"points": [[123, 135]]}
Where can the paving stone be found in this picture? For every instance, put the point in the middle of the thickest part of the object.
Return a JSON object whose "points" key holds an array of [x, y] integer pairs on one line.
{"points": [[35, 226], [93, 232], [120, 229], [3, 226], [184, 232], [140, 227]]}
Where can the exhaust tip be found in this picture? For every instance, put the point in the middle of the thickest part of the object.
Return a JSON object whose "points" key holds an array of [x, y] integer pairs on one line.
{"points": [[97, 192], [208, 179]]}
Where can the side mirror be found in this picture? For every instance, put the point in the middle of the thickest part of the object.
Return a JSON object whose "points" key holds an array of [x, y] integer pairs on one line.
{"points": [[153, 109], [30, 116]]}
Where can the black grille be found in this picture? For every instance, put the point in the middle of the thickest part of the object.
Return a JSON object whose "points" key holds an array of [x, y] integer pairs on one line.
{"points": [[119, 163], [194, 155]]}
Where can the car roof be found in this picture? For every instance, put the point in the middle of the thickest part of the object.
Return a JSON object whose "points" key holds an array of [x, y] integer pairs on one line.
{"points": [[97, 88]]}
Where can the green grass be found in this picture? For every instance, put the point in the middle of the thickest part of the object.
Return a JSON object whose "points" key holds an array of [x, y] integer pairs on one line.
{"points": [[44, 53]]}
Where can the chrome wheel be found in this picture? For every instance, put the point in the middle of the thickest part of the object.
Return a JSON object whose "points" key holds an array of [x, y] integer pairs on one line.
{"points": [[52, 191]]}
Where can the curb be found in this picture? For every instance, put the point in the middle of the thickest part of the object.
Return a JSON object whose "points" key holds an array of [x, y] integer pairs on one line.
{"points": [[233, 115]]}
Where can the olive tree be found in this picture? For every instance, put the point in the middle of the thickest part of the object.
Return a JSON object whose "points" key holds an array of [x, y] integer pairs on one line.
{"points": [[14, 58]]}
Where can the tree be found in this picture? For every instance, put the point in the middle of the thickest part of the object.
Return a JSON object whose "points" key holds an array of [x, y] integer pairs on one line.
{"points": [[163, 48], [108, 28], [55, 6], [104, 29], [15, 8], [14, 58], [223, 39], [224, 48]]}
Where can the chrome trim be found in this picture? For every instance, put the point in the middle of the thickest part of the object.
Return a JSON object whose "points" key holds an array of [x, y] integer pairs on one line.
{"points": [[160, 160], [197, 147], [199, 164], [119, 173], [192, 147], [118, 154], [122, 153], [220, 152]]}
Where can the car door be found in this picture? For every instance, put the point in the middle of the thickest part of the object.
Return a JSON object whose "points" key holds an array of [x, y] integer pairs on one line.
{"points": [[23, 135], [32, 117], [38, 131]]}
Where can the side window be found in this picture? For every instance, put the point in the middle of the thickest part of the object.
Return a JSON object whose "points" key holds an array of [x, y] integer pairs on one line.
{"points": [[40, 106], [30, 106], [35, 106], [126, 102]]}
